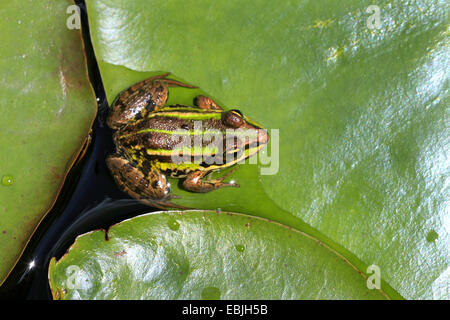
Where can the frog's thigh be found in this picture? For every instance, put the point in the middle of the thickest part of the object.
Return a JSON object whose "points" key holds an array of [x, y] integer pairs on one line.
{"points": [[135, 182], [136, 102]]}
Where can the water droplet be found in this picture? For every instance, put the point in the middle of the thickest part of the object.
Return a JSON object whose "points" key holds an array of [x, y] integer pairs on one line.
{"points": [[173, 224], [7, 180], [211, 293], [432, 236], [240, 247]]}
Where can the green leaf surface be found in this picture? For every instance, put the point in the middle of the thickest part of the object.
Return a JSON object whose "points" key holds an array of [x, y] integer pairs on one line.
{"points": [[203, 255], [362, 115], [47, 107]]}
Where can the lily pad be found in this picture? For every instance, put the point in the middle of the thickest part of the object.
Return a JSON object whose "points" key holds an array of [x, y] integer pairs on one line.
{"points": [[203, 255], [359, 94], [47, 108]]}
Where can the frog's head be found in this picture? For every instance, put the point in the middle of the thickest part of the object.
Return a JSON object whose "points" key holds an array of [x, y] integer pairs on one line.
{"points": [[255, 135]]}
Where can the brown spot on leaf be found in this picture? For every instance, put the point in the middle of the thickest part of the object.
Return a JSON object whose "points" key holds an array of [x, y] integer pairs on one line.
{"points": [[121, 253], [55, 175]]}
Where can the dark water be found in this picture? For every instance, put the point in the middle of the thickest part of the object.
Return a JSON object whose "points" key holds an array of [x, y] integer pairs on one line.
{"points": [[89, 200]]}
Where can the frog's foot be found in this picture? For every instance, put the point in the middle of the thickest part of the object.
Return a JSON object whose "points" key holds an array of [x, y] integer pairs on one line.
{"points": [[138, 184], [206, 103], [194, 182]]}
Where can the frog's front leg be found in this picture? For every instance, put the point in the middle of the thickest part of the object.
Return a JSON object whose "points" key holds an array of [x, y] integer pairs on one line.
{"points": [[147, 184], [194, 182], [206, 103], [141, 98]]}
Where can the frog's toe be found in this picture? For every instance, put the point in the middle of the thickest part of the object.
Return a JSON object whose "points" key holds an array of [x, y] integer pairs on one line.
{"points": [[174, 196]]}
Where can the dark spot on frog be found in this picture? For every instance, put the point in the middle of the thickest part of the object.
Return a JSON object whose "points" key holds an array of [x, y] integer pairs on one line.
{"points": [[4, 231], [159, 88], [138, 116]]}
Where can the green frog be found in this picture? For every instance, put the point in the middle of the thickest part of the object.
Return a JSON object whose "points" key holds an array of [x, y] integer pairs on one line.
{"points": [[155, 141]]}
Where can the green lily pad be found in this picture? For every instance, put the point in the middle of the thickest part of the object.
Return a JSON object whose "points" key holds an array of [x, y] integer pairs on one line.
{"points": [[208, 255], [47, 108], [360, 107]]}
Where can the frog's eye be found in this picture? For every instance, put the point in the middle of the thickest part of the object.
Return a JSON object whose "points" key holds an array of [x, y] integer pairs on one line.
{"points": [[238, 112], [233, 118]]}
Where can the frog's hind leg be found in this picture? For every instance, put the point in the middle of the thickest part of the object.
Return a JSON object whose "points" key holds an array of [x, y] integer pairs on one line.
{"points": [[141, 98], [149, 184], [206, 103], [194, 182]]}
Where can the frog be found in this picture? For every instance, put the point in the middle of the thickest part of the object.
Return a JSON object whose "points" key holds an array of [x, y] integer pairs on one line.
{"points": [[148, 135]]}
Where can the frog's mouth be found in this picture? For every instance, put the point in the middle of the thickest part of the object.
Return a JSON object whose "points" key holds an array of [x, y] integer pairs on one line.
{"points": [[241, 150]]}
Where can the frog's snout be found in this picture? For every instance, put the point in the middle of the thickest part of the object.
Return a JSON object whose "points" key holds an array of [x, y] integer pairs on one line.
{"points": [[263, 136]]}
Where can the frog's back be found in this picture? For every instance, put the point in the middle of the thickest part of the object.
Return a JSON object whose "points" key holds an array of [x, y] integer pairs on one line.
{"points": [[165, 134]]}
